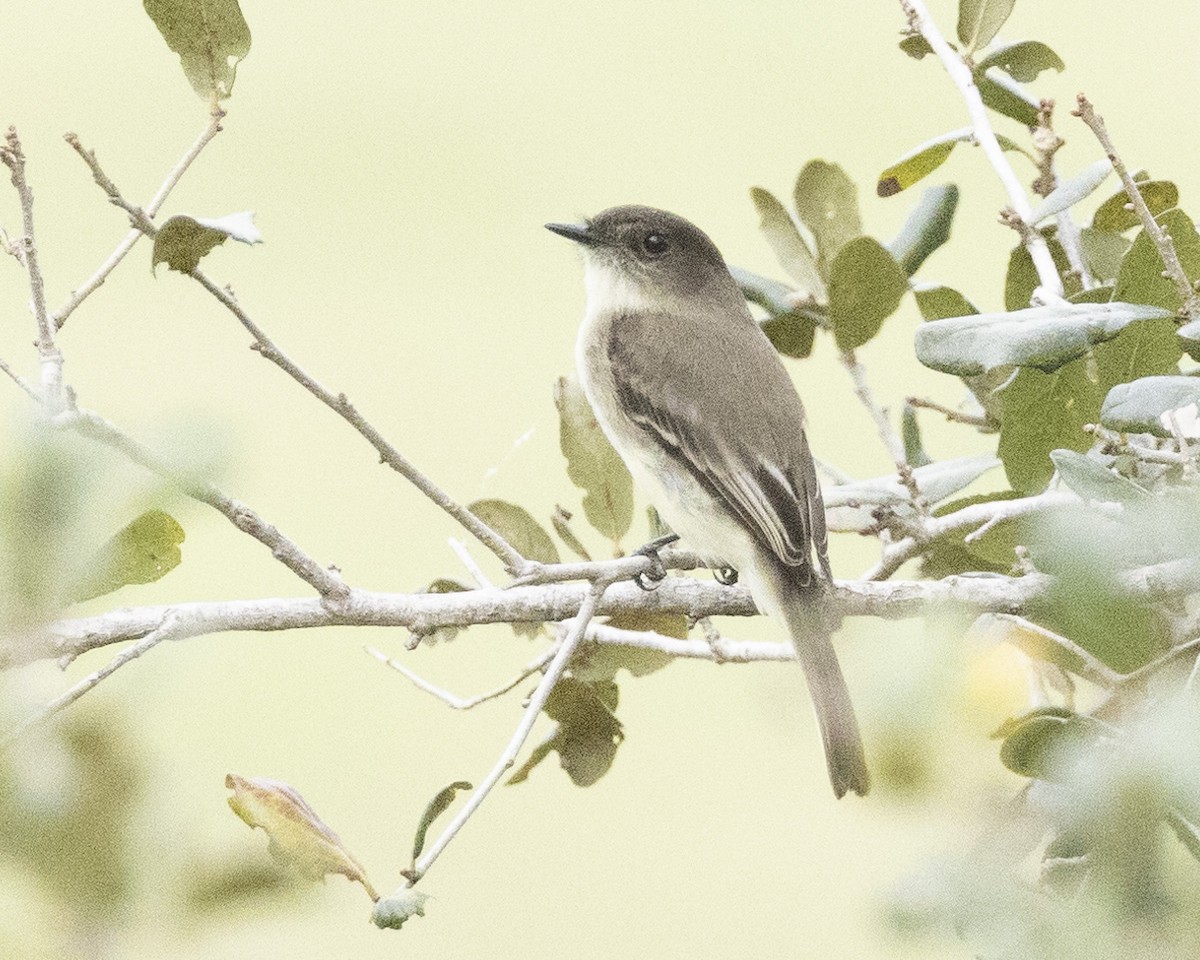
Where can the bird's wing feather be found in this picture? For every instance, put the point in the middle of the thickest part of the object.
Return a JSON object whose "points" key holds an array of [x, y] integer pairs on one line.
{"points": [[758, 463]]}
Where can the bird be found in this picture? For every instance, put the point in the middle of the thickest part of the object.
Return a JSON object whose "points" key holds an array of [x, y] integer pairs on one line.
{"points": [[698, 405]]}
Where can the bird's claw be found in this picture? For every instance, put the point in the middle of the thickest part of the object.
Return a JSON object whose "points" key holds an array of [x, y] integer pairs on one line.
{"points": [[726, 576], [657, 572]]}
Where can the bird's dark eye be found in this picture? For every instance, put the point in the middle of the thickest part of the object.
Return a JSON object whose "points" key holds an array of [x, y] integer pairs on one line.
{"points": [[655, 244]]}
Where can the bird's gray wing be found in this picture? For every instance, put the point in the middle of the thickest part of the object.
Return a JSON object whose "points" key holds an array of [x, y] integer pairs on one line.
{"points": [[744, 442]]}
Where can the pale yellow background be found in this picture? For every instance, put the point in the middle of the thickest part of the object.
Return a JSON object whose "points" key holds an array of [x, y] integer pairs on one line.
{"points": [[401, 159]]}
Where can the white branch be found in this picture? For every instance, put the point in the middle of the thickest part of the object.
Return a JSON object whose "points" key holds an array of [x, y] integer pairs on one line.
{"points": [[465, 703], [536, 702], [981, 124]]}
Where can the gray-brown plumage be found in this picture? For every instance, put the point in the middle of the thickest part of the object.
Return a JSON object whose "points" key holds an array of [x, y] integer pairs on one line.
{"points": [[697, 403]]}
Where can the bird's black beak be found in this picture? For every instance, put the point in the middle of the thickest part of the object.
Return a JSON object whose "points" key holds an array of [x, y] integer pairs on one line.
{"points": [[579, 232]]}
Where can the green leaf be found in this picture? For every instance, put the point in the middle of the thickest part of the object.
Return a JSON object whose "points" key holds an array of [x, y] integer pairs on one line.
{"points": [[865, 287], [939, 303], [1136, 407], [920, 161], [142, 551], [790, 249], [210, 36], [447, 633], [980, 20], [1102, 293], [1111, 215], [560, 520], [435, 808], [518, 527], [587, 733], [1102, 252], [916, 46], [1044, 412], [790, 328], [1041, 337], [1141, 279], [299, 838], [1094, 481], [910, 433], [1023, 60], [1022, 278], [1071, 191], [926, 229], [390, 913], [183, 241], [827, 202], [1007, 97], [1038, 744], [592, 463]]}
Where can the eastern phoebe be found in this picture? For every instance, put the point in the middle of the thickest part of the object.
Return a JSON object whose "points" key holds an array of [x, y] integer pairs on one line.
{"points": [[697, 403]]}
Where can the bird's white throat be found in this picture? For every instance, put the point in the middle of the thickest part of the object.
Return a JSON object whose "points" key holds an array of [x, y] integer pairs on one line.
{"points": [[611, 290]]}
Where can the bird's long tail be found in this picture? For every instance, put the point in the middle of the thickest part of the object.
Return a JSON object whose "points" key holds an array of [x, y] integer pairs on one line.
{"points": [[804, 609]]}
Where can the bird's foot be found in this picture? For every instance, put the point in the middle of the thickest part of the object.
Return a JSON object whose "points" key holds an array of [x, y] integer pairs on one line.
{"points": [[726, 576], [650, 578]]}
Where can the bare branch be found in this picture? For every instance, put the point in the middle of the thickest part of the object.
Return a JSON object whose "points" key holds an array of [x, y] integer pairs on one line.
{"points": [[536, 702], [94, 282], [465, 703], [960, 73], [339, 403], [129, 654], [1162, 240], [887, 433], [53, 394], [972, 521], [95, 427], [1116, 443], [957, 416]]}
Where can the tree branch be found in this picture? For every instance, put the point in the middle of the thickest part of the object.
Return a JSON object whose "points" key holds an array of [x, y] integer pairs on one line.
{"points": [[536, 702], [465, 703], [339, 403], [94, 282], [920, 21], [53, 394], [1162, 240]]}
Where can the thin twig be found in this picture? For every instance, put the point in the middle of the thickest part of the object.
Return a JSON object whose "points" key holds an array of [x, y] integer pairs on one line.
{"points": [[20, 381], [1161, 239], [970, 521], [94, 282], [53, 394], [95, 427], [887, 433], [338, 402], [89, 682], [468, 561], [920, 21], [465, 703], [1116, 443], [957, 416], [508, 757], [1049, 647]]}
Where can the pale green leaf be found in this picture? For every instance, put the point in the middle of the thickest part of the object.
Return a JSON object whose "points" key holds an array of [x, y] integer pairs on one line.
{"points": [[1023, 60], [1072, 191], [926, 229], [920, 161], [592, 463], [1092, 480], [790, 249], [789, 327], [142, 551], [939, 303], [1041, 337], [1138, 406], [980, 20], [1003, 94], [210, 36], [1102, 252], [827, 203]]}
